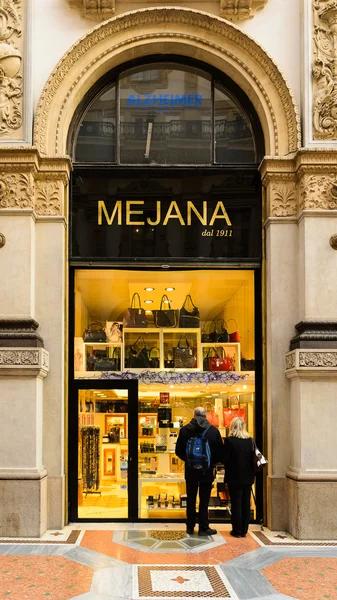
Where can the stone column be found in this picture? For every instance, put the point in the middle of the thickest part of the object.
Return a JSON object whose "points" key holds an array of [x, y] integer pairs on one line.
{"points": [[280, 312], [311, 364], [33, 308]]}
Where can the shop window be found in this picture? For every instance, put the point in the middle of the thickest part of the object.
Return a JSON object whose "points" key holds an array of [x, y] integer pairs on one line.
{"points": [[234, 141], [186, 325]]}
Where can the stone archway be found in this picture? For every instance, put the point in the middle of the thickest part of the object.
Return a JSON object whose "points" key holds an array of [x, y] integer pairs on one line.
{"points": [[185, 32]]}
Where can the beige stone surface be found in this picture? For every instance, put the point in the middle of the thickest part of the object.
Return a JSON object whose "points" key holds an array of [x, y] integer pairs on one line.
{"points": [[277, 496], [56, 501], [23, 507], [312, 510]]}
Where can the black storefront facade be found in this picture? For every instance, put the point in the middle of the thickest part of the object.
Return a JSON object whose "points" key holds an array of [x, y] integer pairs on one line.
{"points": [[165, 204]]}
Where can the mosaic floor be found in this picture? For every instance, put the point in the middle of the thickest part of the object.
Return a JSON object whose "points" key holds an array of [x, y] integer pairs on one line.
{"points": [[145, 561]]}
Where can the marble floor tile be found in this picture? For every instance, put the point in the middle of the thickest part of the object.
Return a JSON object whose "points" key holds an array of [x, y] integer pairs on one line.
{"points": [[248, 583], [32, 550], [115, 581], [93, 559]]}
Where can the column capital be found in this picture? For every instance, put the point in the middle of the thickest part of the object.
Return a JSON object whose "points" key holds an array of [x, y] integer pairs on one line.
{"points": [[311, 363], [24, 362]]}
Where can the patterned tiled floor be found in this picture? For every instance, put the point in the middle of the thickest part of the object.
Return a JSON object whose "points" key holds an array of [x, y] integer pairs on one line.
{"points": [[143, 561]]}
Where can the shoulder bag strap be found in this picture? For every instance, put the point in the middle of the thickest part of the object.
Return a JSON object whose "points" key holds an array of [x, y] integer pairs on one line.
{"points": [[183, 337], [205, 431], [163, 298], [133, 301], [188, 298]]}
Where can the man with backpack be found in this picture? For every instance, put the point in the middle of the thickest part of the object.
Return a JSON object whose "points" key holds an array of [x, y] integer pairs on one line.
{"points": [[200, 445]]}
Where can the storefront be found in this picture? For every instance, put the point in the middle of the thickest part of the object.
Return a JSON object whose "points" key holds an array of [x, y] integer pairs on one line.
{"points": [[165, 284]]}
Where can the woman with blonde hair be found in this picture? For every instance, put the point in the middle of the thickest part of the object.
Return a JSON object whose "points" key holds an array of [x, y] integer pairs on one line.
{"points": [[239, 469]]}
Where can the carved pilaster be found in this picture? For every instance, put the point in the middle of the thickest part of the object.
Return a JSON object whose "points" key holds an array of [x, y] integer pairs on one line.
{"points": [[28, 181], [11, 69], [325, 69], [99, 10], [236, 10]]}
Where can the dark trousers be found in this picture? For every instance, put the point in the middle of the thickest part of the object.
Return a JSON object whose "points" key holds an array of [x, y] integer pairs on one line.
{"points": [[240, 507], [205, 488]]}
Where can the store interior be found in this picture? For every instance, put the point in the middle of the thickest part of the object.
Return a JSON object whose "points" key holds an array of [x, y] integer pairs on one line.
{"points": [[209, 372]]}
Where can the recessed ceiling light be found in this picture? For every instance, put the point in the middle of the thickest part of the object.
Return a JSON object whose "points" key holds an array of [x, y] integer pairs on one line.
{"points": [[149, 289], [167, 301], [244, 387], [170, 289], [148, 301], [148, 311]]}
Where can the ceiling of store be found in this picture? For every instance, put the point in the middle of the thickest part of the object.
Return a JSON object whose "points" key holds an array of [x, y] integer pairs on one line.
{"points": [[107, 293]]}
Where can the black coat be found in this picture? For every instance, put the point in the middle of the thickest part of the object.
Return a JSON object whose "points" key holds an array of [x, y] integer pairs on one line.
{"points": [[238, 458], [197, 425]]}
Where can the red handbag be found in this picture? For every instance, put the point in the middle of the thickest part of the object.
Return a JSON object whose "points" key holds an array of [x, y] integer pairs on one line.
{"points": [[220, 364], [234, 336], [230, 413], [211, 416]]}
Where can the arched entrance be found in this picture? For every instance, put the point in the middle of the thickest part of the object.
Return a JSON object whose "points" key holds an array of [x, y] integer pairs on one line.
{"points": [[186, 33]]}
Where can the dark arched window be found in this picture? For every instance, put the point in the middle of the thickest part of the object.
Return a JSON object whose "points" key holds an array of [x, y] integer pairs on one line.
{"points": [[165, 114]]}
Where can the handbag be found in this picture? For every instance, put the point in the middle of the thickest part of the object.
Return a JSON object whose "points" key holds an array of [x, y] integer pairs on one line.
{"points": [[234, 336], [107, 363], [165, 317], [247, 364], [154, 357], [259, 461], [94, 333], [216, 363], [114, 331], [183, 357], [114, 435], [135, 317], [209, 333], [211, 416], [222, 332], [138, 359], [189, 318], [230, 413]]}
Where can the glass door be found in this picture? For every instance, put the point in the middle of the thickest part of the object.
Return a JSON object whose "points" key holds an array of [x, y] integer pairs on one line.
{"points": [[103, 451]]}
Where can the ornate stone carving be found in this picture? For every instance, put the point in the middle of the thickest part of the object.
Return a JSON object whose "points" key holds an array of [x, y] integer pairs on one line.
{"points": [[94, 9], [11, 44], [16, 190], [155, 24], [318, 359], [283, 200], [48, 198], [235, 10], [325, 69], [19, 357], [318, 192], [290, 360]]}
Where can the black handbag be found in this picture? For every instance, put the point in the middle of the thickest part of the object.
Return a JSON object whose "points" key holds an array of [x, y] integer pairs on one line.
{"points": [[165, 416], [135, 317], [183, 357], [94, 333], [189, 318], [221, 330], [138, 359], [209, 333], [105, 363], [165, 317]]}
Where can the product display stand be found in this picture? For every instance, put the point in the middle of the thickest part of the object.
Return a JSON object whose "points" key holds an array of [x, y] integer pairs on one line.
{"points": [[90, 459]]}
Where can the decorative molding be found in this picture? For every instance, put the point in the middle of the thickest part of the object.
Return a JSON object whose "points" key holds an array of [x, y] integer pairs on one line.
{"points": [[16, 190], [19, 332], [48, 199], [174, 26], [325, 69], [311, 363], [315, 334], [283, 200], [317, 192], [26, 361], [29, 182], [236, 10], [94, 9], [11, 69]]}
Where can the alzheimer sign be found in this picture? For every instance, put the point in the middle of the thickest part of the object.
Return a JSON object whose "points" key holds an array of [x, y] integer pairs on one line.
{"points": [[165, 100]]}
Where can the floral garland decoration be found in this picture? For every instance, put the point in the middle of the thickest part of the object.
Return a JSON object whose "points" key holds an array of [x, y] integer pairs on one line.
{"points": [[174, 377]]}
